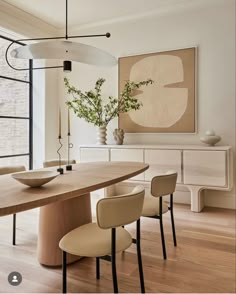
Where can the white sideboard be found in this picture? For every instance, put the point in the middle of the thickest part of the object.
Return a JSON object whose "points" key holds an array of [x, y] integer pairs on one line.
{"points": [[199, 167]]}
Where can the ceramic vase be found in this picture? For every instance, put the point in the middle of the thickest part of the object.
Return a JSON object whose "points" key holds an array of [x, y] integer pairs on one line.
{"points": [[210, 138], [102, 135], [118, 136]]}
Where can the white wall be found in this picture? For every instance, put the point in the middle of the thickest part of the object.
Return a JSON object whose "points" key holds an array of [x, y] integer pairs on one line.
{"points": [[22, 23], [210, 28], [38, 116], [52, 94]]}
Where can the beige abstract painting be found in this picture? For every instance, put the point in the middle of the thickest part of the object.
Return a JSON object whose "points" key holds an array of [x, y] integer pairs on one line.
{"points": [[169, 103]]}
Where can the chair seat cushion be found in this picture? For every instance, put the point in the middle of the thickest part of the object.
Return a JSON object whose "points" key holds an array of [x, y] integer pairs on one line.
{"points": [[151, 206], [91, 241]]}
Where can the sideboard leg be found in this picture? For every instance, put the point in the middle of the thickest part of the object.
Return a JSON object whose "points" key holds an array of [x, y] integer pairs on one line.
{"points": [[197, 201]]}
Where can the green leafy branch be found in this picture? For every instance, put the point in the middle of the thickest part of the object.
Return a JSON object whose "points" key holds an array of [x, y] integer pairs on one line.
{"points": [[89, 105]]}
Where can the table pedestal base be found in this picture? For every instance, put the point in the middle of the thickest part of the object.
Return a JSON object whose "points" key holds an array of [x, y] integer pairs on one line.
{"points": [[55, 221]]}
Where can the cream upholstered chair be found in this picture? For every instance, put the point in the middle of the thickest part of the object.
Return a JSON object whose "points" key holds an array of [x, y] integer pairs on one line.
{"points": [[154, 207], [107, 237], [9, 170], [55, 162]]}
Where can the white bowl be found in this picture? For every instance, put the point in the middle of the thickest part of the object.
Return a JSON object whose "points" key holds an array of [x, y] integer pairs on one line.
{"points": [[35, 178]]}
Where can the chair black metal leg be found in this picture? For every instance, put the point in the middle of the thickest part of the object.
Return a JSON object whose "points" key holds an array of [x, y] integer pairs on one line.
{"points": [[172, 220], [173, 228], [14, 230], [64, 282], [140, 257], [97, 268], [162, 238], [113, 259], [161, 228]]}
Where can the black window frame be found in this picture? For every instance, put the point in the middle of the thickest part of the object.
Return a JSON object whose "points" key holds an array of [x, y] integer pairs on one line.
{"points": [[30, 117]]}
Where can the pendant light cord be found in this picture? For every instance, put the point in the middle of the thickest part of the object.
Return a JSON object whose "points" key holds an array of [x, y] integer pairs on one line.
{"points": [[66, 19]]}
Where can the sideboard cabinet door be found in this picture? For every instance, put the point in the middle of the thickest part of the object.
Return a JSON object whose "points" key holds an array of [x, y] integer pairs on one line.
{"points": [[161, 161], [94, 154], [129, 155], [205, 168]]}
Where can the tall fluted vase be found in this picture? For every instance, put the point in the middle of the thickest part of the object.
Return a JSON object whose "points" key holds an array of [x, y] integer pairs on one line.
{"points": [[102, 135]]}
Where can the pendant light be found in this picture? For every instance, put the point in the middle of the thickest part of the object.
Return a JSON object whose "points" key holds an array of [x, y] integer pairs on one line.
{"points": [[62, 48]]}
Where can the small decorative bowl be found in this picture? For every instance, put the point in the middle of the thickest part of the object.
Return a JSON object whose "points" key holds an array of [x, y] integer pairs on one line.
{"points": [[35, 178]]}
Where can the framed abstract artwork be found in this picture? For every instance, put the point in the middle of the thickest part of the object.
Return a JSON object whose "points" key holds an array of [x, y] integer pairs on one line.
{"points": [[169, 104]]}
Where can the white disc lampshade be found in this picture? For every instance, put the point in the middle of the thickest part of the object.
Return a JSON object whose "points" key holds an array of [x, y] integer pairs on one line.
{"points": [[65, 50]]}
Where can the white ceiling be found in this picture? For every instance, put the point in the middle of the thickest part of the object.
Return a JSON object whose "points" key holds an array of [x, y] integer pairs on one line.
{"points": [[83, 12]]}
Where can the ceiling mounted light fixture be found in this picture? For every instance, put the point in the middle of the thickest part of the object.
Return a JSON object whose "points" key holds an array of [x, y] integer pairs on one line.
{"points": [[62, 48]]}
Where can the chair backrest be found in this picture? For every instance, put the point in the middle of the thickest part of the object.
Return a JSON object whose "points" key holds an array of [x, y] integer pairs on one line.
{"points": [[55, 162], [11, 169], [120, 210], [163, 184]]}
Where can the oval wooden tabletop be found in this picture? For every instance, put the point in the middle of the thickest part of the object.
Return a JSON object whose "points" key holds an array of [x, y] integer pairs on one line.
{"points": [[84, 178]]}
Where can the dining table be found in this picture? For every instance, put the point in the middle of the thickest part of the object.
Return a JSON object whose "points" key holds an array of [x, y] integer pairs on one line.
{"points": [[64, 202]]}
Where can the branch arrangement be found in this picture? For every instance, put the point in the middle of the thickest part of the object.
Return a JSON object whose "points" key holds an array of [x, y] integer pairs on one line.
{"points": [[89, 105]]}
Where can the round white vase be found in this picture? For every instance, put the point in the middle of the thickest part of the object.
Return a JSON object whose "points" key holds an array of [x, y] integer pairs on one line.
{"points": [[210, 138], [102, 135]]}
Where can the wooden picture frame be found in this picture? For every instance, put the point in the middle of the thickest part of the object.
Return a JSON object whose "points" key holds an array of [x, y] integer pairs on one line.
{"points": [[169, 104]]}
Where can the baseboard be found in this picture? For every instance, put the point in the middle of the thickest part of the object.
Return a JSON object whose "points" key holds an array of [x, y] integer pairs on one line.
{"points": [[224, 200]]}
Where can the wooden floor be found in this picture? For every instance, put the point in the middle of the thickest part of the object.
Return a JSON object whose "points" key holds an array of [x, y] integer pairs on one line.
{"points": [[203, 262]]}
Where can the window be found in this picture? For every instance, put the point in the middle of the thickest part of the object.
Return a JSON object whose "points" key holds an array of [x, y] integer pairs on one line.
{"points": [[15, 110]]}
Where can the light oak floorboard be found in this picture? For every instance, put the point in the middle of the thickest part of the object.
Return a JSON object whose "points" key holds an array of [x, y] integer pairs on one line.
{"points": [[203, 261]]}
